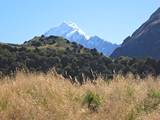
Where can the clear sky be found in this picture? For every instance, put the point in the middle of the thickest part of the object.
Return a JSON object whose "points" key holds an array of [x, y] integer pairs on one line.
{"points": [[112, 20]]}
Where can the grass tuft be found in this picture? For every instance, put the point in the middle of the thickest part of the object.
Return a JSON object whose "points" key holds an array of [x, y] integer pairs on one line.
{"points": [[93, 100]]}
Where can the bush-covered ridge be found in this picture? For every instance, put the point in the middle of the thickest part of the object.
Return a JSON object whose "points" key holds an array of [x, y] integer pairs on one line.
{"points": [[69, 59]]}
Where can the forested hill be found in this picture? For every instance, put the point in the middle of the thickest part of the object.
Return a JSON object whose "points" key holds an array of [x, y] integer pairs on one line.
{"points": [[69, 59]]}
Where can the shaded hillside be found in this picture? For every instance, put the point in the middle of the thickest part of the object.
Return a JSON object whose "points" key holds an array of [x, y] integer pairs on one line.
{"points": [[145, 41], [69, 59]]}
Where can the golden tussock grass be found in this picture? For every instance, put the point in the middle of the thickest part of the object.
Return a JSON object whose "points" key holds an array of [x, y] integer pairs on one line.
{"points": [[51, 97]]}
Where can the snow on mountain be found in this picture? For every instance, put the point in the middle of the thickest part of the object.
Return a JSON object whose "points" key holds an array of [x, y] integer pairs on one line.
{"points": [[67, 30], [101, 45], [73, 33]]}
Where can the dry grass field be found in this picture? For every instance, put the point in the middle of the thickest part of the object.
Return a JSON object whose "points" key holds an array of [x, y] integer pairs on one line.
{"points": [[51, 97]]}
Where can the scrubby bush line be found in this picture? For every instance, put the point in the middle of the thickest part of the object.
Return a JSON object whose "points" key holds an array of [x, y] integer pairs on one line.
{"points": [[69, 59]]}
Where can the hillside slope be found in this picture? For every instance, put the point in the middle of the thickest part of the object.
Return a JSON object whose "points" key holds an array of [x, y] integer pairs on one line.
{"points": [[145, 41], [44, 53]]}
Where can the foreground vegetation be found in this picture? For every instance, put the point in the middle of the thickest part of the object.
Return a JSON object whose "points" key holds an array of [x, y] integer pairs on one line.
{"points": [[49, 96]]}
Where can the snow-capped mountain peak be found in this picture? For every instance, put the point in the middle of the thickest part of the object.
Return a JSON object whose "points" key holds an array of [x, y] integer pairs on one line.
{"points": [[70, 24], [66, 30], [73, 33]]}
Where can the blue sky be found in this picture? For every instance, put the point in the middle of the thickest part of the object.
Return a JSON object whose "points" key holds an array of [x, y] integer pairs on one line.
{"points": [[113, 20]]}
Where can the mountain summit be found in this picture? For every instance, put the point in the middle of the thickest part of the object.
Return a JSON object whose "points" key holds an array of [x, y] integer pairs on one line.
{"points": [[67, 30], [73, 33], [144, 42]]}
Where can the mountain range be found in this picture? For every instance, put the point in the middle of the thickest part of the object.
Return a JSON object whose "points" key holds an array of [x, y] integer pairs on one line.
{"points": [[144, 42], [73, 33]]}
